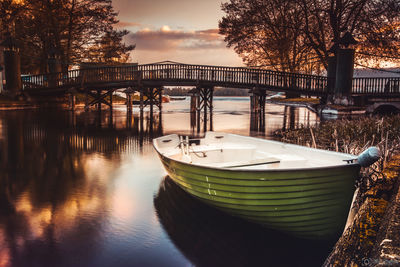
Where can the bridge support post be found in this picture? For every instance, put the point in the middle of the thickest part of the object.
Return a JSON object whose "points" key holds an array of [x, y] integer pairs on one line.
{"points": [[207, 94], [128, 120], [150, 97], [159, 92], [12, 64], [344, 76], [198, 110], [211, 109], [111, 101], [129, 102], [201, 101], [98, 103], [257, 110], [331, 75], [71, 99], [141, 107], [290, 118], [193, 109], [128, 93], [86, 100]]}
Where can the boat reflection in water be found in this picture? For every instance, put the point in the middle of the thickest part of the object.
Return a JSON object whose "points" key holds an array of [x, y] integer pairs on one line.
{"points": [[209, 237]]}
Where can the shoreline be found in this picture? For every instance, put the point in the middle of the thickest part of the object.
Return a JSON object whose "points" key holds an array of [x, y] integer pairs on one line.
{"points": [[371, 236]]}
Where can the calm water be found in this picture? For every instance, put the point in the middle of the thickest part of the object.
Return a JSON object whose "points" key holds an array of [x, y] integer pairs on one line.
{"points": [[82, 189]]}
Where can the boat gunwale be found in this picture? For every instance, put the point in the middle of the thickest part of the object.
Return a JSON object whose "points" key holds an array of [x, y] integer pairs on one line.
{"points": [[347, 165]]}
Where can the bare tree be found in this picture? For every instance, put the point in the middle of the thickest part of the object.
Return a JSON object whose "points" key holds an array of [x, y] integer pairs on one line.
{"points": [[287, 34], [265, 33], [374, 23]]}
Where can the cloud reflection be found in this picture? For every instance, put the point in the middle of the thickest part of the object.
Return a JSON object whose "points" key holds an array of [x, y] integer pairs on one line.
{"points": [[56, 187]]}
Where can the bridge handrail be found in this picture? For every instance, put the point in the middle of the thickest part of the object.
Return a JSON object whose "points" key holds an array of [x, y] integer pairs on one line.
{"points": [[371, 85], [169, 72], [227, 67]]}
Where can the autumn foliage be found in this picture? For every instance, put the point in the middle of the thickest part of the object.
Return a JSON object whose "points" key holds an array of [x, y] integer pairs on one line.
{"points": [[71, 31]]}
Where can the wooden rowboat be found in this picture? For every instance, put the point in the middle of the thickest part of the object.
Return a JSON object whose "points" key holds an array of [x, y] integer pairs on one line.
{"points": [[301, 191]]}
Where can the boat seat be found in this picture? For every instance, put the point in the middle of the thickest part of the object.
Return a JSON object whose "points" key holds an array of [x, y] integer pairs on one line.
{"points": [[253, 162]]}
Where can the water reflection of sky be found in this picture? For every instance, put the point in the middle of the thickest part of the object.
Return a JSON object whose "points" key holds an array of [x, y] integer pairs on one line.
{"points": [[232, 114], [78, 189]]}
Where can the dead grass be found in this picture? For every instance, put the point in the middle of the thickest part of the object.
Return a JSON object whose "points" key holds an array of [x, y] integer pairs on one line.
{"points": [[353, 136]]}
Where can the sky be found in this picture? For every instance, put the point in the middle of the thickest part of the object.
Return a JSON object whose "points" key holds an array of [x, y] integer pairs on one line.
{"points": [[184, 31]]}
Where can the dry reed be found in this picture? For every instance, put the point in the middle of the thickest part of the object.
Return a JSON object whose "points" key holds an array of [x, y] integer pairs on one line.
{"points": [[352, 136]]}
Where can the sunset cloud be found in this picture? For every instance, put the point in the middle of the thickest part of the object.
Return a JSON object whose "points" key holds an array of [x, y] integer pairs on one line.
{"points": [[165, 39], [176, 30], [126, 24]]}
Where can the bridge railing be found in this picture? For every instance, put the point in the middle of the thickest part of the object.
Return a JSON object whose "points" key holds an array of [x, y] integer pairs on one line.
{"points": [[109, 74], [218, 76], [233, 76], [376, 85], [52, 80]]}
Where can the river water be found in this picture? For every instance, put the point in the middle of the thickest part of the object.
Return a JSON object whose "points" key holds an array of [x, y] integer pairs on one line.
{"points": [[87, 189]]}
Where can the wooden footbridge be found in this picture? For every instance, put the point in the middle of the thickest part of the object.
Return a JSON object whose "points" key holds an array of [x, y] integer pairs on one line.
{"points": [[178, 74], [149, 79], [174, 74]]}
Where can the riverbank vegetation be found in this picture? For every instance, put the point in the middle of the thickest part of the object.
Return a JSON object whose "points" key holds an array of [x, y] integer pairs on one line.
{"points": [[377, 185], [350, 136]]}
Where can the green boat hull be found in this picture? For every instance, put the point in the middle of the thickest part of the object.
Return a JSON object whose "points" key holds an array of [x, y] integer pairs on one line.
{"points": [[307, 203]]}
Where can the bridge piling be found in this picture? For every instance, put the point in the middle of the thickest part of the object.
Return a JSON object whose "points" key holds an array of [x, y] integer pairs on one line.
{"points": [[211, 109], [98, 102], [150, 96], [141, 106], [128, 93], [12, 65], [159, 92], [71, 99], [71, 102], [129, 103], [331, 78], [86, 100], [344, 77], [257, 109], [111, 101], [193, 109], [128, 120], [201, 101]]}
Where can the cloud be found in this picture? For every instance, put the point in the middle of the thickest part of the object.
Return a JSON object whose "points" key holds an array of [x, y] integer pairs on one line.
{"points": [[125, 24], [205, 47], [165, 39]]}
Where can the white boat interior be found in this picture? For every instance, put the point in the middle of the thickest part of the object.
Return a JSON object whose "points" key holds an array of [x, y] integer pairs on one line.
{"points": [[230, 151]]}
